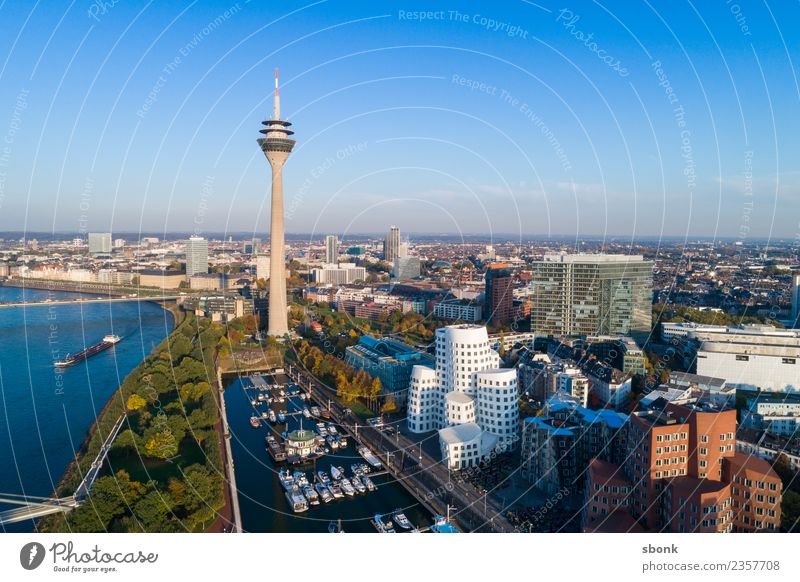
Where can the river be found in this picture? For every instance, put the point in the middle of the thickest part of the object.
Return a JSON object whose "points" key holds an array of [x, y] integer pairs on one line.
{"points": [[44, 413]]}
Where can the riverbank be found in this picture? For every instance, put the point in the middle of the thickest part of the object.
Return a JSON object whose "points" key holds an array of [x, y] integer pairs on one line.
{"points": [[100, 429], [87, 288], [164, 472]]}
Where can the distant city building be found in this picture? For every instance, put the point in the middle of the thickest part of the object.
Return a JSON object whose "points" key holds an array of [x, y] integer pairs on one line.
{"points": [[196, 256], [262, 266], [161, 279], [776, 416], [331, 249], [342, 274], [219, 307], [796, 297], [498, 303], [391, 246], [119, 243], [466, 388], [209, 281], [406, 268], [390, 361], [587, 294], [457, 310], [99, 243]]}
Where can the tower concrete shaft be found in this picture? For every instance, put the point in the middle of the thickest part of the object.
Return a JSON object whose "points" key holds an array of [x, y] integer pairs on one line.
{"points": [[277, 146]]}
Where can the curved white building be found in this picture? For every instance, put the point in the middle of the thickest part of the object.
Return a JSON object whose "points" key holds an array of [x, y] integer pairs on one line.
{"points": [[459, 408], [461, 352], [467, 388], [424, 400], [498, 404]]}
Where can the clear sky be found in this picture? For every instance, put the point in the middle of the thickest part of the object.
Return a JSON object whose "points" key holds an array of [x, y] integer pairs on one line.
{"points": [[618, 118]]}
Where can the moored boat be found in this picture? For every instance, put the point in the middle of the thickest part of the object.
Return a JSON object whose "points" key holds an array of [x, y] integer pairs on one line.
{"points": [[360, 487], [348, 489], [368, 483], [255, 421], [296, 500], [324, 492], [369, 457], [401, 520]]}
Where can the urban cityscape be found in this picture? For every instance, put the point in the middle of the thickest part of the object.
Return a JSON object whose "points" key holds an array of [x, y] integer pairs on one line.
{"points": [[300, 347]]}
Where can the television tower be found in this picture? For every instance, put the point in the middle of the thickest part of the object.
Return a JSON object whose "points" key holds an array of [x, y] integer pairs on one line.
{"points": [[277, 146]]}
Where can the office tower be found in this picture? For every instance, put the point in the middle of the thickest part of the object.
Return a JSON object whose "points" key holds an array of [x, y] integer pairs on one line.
{"points": [[406, 268], [277, 146], [331, 249], [586, 294], [119, 243], [795, 296], [262, 266], [391, 246], [196, 256], [498, 300], [99, 243], [256, 246]]}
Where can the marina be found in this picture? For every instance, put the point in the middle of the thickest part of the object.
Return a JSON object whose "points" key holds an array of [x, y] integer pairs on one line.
{"points": [[306, 473]]}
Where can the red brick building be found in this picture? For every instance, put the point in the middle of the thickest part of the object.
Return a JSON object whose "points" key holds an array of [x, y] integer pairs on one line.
{"points": [[682, 473]]}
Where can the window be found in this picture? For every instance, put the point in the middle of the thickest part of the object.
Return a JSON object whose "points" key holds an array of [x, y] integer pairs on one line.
{"points": [[742, 358], [788, 361]]}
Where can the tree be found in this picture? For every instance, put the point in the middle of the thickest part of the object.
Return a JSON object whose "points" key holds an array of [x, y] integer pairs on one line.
{"points": [[375, 388], [389, 405], [135, 402]]}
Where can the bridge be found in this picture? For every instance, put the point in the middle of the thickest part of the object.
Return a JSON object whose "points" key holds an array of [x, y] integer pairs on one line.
{"points": [[33, 507], [88, 300]]}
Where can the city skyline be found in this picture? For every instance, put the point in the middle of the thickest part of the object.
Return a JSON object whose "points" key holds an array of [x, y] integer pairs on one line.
{"points": [[553, 162]]}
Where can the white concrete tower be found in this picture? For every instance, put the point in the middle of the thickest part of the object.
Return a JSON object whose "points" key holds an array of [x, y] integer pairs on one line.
{"points": [[277, 146]]}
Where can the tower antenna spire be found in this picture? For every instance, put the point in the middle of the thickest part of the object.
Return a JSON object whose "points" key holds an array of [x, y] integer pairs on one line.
{"points": [[276, 112]]}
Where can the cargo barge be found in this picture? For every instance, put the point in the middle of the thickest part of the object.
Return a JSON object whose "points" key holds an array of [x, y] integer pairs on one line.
{"points": [[73, 359]]}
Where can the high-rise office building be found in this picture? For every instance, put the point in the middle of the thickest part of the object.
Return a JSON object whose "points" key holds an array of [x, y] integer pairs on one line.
{"points": [[406, 268], [588, 294], [498, 299], [277, 145], [331, 249], [99, 243], [795, 297], [262, 266], [391, 246], [196, 256]]}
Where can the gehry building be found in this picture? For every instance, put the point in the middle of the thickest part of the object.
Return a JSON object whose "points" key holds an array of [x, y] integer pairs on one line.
{"points": [[467, 397]]}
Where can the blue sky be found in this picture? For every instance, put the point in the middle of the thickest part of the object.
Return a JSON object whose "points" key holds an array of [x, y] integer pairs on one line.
{"points": [[498, 118]]}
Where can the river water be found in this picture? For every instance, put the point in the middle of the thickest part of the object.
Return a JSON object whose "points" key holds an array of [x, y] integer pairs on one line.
{"points": [[44, 413]]}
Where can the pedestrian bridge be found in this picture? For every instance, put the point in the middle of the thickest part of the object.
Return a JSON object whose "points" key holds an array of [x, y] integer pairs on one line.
{"points": [[32, 507]]}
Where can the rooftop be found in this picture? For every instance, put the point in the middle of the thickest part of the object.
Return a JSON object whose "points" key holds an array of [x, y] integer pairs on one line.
{"points": [[460, 433]]}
